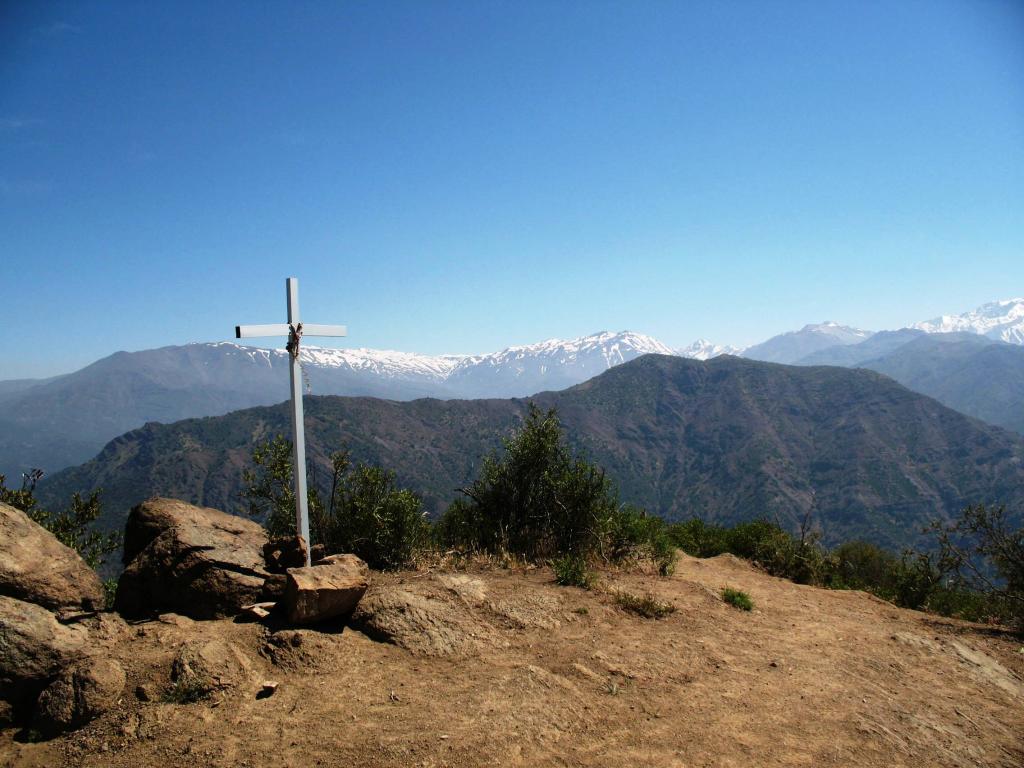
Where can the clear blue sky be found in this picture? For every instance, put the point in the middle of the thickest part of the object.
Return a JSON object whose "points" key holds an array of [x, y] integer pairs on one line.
{"points": [[458, 177]]}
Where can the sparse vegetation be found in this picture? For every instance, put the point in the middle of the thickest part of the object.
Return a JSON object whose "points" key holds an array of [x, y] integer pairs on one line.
{"points": [[645, 605], [572, 571], [738, 599], [975, 572], [612, 687], [109, 593], [187, 690], [72, 526]]}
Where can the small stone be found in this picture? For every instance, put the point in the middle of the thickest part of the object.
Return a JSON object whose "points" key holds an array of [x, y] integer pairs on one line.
{"points": [[258, 611]]}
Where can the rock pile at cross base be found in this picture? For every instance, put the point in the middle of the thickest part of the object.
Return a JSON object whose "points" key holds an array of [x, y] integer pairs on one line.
{"points": [[180, 559]]}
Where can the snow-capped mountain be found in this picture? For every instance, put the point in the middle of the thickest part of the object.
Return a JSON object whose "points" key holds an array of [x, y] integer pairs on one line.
{"points": [[1002, 320], [512, 372], [63, 421], [702, 349], [552, 364], [790, 347], [378, 362]]}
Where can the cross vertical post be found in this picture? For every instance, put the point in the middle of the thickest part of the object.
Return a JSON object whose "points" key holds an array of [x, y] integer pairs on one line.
{"points": [[295, 331], [298, 426]]}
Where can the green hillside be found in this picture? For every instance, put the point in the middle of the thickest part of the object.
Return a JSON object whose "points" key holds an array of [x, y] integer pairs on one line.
{"points": [[727, 440]]}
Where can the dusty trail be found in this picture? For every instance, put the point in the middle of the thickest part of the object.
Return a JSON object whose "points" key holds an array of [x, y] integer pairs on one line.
{"points": [[518, 671]]}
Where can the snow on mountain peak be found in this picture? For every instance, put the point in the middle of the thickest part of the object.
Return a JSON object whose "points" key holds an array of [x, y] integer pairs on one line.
{"points": [[1003, 320], [702, 349], [831, 328]]}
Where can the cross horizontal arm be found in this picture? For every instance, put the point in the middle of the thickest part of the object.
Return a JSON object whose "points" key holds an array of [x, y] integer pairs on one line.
{"points": [[250, 331], [312, 329]]}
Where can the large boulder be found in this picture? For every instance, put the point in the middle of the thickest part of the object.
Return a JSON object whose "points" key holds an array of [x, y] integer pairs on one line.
{"points": [[79, 694], [190, 560], [35, 567], [327, 590], [34, 649]]}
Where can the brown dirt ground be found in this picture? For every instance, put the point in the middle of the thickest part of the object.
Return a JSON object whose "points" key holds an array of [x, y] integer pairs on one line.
{"points": [[548, 675]]}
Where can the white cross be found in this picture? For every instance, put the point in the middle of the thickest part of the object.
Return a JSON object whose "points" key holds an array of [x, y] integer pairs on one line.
{"points": [[294, 329]]}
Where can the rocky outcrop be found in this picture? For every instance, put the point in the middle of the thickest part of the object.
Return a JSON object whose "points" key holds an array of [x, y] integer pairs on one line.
{"points": [[327, 590], [79, 694], [34, 649], [423, 624], [190, 560], [37, 568]]}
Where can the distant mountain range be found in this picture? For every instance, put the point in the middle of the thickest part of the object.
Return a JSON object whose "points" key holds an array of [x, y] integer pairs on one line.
{"points": [[728, 439], [791, 347], [65, 420]]}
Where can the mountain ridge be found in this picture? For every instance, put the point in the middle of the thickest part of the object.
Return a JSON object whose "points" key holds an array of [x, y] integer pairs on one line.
{"points": [[728, 439]]}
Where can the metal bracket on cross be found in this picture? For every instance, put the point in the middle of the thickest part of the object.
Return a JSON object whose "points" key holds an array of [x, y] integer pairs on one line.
{"points": [[294, 329]]}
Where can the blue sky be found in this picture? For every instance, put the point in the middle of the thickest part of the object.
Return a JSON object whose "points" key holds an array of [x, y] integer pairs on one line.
{"points": [[458, 177]]}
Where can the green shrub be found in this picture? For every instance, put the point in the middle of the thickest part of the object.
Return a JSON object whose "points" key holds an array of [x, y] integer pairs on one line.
{"points": [[645, 605], [269, 490], [538, 500], [633, 534], [109, 593], [572, 571], [778, 552], [862, 565], [365, 512], [737, 599], [699, 539], [368, 515]]}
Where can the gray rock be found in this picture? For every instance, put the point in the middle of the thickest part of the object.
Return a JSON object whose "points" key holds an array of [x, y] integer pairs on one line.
{"points": [[327, 590], [35, 567], [78, 695], [34, 650], [195, 561]]}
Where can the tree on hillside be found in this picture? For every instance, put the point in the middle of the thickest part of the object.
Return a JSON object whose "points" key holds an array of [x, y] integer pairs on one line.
{"points": [[985, 553]]}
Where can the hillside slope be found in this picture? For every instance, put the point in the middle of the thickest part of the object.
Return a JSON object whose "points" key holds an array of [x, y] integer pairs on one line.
{"points": [[513, 670], [973, 374], [727, 440]]}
